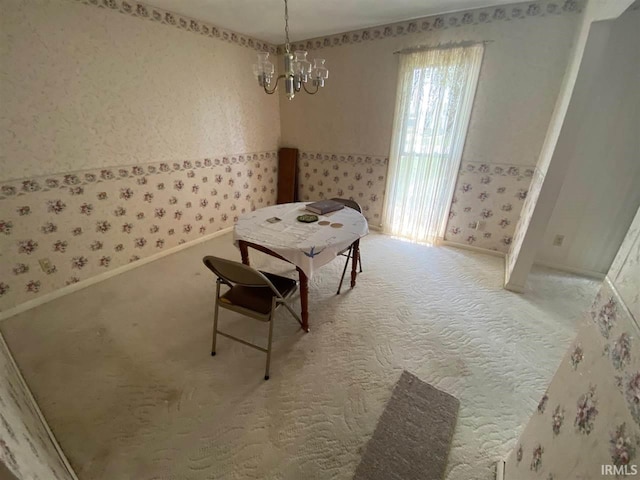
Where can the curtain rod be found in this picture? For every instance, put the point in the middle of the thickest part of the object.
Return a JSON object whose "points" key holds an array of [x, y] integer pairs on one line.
{"points": [[440, 46]]}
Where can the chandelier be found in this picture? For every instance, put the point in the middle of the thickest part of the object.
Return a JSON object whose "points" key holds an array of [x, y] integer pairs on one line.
{"points": [[298, 71]]}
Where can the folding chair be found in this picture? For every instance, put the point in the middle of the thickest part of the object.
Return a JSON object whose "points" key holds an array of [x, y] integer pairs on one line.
{"points": [[349, 251], [252, 293]]}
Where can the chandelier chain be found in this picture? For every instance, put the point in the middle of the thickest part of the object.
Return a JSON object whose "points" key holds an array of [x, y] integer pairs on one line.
{"points": [[286, 25]]}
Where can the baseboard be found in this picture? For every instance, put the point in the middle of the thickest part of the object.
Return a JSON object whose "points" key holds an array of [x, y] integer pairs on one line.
{"points": [[375, 228], [74, 287], [36, 409], [508, 284], [506, 271], [512, 287], [568, 269], [500, 466], [563, 268], [472, 248]]}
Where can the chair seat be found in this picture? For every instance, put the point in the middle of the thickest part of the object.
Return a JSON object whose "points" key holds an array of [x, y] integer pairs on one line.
{"points": [[258, 299]]}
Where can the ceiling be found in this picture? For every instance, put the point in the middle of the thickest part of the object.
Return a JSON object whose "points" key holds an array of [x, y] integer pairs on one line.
{"points": [[264, 19]]}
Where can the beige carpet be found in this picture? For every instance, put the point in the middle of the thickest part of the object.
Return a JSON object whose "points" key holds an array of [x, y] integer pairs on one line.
{"points": [[123, 373]]}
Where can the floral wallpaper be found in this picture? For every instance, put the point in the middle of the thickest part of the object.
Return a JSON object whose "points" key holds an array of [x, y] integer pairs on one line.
{"points": [[503, 13], [489, 193], [88, 222], [359, 177], [587, 424], [25, 446]]}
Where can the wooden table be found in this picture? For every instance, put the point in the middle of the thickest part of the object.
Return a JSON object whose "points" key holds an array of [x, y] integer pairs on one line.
{"points": [[323, 243]]}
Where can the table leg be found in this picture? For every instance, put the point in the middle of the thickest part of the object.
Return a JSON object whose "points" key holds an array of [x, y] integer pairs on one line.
{"points": [[354, 262], [244, 252], [304, 299]]}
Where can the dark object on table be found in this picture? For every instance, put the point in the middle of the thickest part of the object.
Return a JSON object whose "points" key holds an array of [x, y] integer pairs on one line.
{"points": [[349, 251], [307, 218], [325, 206], [287, 175]]}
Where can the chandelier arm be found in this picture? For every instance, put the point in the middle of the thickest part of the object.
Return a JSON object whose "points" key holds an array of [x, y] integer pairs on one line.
{"points": [[275, 86], [304, 85]]}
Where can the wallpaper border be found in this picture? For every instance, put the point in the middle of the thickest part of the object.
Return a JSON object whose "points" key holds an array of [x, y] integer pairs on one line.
{"points": [[439, 22], [77, 178], [504, 169], [515, 11], [356, 158], [182, 22]]}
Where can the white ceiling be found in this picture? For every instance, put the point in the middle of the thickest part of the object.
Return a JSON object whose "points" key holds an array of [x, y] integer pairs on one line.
{"points": [[264, 19]]}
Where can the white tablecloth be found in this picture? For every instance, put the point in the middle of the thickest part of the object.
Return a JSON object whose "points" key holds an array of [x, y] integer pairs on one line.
{"points": [[306, 245]]}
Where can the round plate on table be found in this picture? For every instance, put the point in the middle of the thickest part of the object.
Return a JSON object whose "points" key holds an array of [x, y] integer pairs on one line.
{"points": [[307, 218]]}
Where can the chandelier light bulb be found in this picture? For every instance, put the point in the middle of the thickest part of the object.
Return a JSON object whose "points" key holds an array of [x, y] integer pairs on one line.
{"points": [[298, 71]]}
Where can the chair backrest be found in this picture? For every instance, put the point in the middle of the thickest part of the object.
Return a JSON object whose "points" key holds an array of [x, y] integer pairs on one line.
{"points": [[349, 203], [236, 272]]}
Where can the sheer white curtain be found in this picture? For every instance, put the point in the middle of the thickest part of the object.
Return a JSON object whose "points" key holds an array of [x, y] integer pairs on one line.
{"points": [[436, 88]]}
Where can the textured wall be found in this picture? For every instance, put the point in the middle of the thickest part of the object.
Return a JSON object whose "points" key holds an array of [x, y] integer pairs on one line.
{"points": [[125, 130], [520, 77], [86, 87], [519, 80], [25, 446], [590, 414], [600, 191], [598, 82]]}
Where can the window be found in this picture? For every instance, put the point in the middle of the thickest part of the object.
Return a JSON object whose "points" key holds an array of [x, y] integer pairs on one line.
{"points": [[433, 106]]}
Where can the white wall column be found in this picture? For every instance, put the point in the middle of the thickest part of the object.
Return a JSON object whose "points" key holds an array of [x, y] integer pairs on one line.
{"points": [[571, 106]]}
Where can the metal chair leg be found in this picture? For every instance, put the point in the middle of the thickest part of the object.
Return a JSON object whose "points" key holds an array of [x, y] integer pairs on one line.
{"points": [[360, 262], [215, 321], [273, 309], [292, 311], [344, 270]]}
